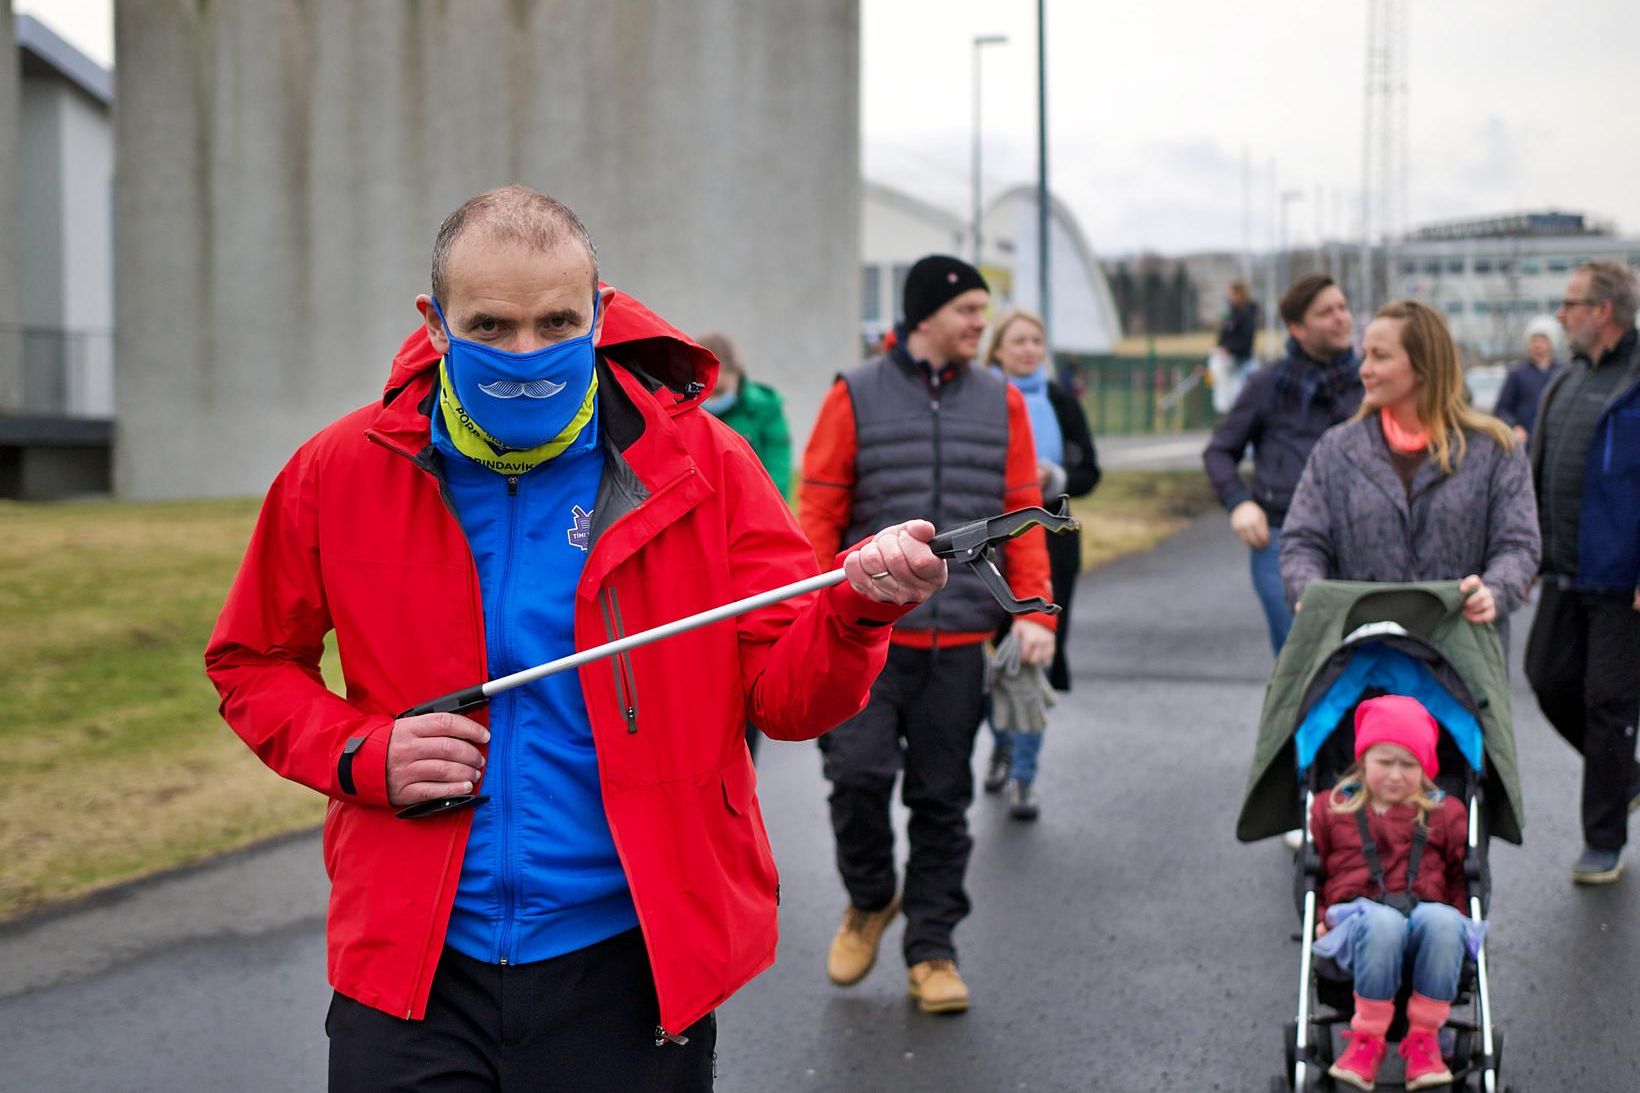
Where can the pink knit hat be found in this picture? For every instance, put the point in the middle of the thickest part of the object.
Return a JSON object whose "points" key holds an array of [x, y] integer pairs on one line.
{"points": [[1395, 719]]}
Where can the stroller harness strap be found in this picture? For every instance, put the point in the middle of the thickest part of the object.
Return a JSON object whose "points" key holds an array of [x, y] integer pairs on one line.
{"points": [[1403, 902]]}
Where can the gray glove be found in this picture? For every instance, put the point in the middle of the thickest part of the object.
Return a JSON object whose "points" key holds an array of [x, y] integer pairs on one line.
{"points": [[1020, 696]]}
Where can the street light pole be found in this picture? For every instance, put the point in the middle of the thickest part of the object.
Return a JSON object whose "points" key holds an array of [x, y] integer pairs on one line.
{"points": [[1044, 296], [980, 42], [1287, 198]]}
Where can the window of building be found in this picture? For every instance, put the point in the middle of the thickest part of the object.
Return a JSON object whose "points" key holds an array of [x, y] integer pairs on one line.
{"points": [[1454, 265], [1483, 265], [1505, 265], [871, 294], [1408, 269], [1454, 307], [1559, 265], [1482, 307], [1432, 266], [1634, 260], [1530, 267]]}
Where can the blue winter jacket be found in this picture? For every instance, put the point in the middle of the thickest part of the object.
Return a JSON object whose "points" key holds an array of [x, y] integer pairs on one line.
{"points": [[1608, 539]]}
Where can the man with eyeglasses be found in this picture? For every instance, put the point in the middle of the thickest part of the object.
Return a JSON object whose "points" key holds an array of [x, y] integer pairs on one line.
{"points": [[1583, 655]]}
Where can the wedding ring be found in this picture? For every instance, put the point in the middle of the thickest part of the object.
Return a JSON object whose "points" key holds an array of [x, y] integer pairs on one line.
{"points": [[884, 575]]}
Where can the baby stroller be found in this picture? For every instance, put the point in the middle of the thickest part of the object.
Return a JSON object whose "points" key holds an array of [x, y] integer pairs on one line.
{"points": [[1353, 641]]}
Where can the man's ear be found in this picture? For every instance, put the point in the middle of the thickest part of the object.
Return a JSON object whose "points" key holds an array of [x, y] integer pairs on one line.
{"points": [[606, 293], [435, 329]]}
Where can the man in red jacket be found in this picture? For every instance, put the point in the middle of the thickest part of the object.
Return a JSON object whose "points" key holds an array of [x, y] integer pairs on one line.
{"points": [[537, 479], [918, 430]]}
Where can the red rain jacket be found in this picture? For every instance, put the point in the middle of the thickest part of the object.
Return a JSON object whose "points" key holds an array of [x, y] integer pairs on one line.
{"points": [[355, 537]]}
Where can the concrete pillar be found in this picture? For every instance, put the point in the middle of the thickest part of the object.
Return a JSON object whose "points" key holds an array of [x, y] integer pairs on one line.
{"points": [[284, 164], [11, 341]]}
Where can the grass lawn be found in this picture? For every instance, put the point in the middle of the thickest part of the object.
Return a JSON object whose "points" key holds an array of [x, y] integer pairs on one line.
{"points": [[123, 767]]}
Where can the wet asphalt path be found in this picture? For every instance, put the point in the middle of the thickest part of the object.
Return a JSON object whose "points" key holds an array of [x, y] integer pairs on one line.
{"points": [[1125, 942]]}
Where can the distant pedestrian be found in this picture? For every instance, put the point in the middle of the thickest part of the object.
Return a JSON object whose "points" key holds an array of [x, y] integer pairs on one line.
{"points": [[1066, 463], [1583, 656], [754, 410], [921, 430], [1522, 389], [1233, 360], [1419, 485], [1282, 411]]}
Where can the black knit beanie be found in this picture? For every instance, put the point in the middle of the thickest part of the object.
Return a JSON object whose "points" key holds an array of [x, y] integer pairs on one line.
{"points": [[934, 282]]}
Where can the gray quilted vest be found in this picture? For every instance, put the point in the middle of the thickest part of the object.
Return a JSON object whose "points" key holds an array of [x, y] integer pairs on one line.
{"points": [[940, 457]]}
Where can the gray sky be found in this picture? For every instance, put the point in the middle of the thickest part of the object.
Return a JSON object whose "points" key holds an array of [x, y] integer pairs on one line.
{"points": [[1512, 104]]}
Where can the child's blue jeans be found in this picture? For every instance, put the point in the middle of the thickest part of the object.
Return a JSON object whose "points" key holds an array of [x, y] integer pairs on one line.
{"points": [[1434, 935], [1023, 748]]}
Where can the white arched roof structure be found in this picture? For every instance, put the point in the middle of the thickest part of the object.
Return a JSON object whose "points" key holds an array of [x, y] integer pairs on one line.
{"points": [[1084, 313]]}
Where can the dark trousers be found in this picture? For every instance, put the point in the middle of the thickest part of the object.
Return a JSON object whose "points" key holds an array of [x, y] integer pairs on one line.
{"points": [[1583, 661], [925, 709], [584, 1021], [1064, 563]]}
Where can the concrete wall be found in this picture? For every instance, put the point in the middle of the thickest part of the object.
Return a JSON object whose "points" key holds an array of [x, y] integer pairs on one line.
{"points": [[11, 353], [283, 166]]}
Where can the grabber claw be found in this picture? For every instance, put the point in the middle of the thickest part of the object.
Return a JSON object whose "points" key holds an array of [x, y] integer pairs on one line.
{"points": [[974, 545]]}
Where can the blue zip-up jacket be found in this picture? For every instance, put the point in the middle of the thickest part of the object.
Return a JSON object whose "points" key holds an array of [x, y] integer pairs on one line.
{"points": [[541, 876], [1608, 537]]}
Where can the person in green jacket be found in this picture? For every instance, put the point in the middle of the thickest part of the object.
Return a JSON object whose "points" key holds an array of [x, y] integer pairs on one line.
{"points": [[754, 410]]}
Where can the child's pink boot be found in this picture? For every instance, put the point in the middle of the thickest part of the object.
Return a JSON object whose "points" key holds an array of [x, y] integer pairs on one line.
{"points": [[1422, 1047], [1359, 1065]]}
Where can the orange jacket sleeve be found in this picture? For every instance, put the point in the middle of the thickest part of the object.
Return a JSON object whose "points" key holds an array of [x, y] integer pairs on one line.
{"points": [[1025, 559], [825, 497]]}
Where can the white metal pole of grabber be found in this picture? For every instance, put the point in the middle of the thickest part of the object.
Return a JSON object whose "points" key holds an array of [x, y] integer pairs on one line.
{"points": [[966, 544], [470, 698]]}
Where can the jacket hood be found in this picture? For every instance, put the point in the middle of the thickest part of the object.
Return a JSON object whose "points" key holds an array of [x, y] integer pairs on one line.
{"points": [[634, 337]]}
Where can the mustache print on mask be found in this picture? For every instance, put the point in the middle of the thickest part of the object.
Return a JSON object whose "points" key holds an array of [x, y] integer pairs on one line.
{"points": [[516, 389]]}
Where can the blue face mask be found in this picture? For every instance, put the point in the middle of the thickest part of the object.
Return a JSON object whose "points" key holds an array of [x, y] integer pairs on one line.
{"points": [[523, 400], [719, 403]]}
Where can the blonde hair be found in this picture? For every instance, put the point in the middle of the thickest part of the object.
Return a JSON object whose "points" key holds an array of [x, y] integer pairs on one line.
{"points": [[1000, 330], [1350, 793], [1442, 409]]}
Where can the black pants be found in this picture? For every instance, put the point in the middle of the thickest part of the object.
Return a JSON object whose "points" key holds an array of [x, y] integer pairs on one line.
{"points": [[925, 708], [584, 1021], [1064, 563], [1583, 661]]}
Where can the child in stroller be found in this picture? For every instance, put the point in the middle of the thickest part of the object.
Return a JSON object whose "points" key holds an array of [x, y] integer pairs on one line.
{"points": [[1391, 847]]}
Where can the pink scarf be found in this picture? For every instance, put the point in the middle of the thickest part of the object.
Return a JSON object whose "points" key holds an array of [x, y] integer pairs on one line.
{"points": [[1402, 440]]}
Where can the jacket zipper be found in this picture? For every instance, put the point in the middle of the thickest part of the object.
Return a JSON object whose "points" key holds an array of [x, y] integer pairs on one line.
{"points": [[934, 406], [504, 827], [626, 678], [426, 467]]}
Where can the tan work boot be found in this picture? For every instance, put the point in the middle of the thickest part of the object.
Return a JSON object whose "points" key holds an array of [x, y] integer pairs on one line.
{"points": [[937, 987], [854, 949]]}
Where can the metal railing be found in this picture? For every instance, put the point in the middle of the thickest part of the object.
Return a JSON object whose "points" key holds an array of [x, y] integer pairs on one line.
{"points": [[57, 372], [1125, 395]]}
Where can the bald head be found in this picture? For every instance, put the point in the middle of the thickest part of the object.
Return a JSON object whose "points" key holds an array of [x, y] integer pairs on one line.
{"points": [[514, 215]]}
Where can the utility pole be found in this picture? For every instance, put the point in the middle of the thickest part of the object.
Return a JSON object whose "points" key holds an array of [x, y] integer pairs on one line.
{"points": [[1046, 300], [1383, 145], [980, 42]]}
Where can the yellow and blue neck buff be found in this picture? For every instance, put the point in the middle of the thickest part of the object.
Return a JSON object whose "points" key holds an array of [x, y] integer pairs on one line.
{"points": [[511, 412]]}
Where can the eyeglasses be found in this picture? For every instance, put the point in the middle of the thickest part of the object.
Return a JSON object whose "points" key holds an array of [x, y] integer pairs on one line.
{"points": [[1567, 305]]}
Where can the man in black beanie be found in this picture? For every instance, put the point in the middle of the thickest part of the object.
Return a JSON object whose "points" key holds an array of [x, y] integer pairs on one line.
{"points": [[921, 433]]}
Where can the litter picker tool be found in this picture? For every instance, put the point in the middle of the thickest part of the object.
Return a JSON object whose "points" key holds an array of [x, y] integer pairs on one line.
{"points": [[973, 545]]}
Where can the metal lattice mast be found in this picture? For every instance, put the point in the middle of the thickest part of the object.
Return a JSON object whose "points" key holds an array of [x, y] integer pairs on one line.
{"points": [[1383, 147]]}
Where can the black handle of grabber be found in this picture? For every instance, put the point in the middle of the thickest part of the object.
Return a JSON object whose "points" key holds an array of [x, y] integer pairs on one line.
{"points": [[973, 545], [468, 698]]}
